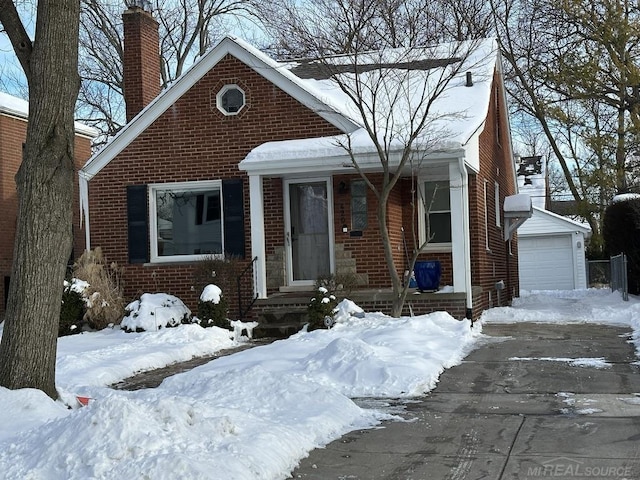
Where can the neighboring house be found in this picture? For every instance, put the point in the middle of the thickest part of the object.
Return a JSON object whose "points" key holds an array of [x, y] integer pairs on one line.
{"points": [[551, 248], [238, 157], [13, 131]]}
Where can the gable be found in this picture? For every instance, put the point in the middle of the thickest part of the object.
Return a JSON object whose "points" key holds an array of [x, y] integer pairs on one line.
{"points": [[168, 99], [544, 222], [193, 139]]}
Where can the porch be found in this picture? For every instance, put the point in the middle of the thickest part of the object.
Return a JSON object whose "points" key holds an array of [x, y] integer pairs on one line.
{"points": [[285, 313]]}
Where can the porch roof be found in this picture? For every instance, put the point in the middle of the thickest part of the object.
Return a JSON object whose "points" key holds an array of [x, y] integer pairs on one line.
{"points": [[333, 153]]}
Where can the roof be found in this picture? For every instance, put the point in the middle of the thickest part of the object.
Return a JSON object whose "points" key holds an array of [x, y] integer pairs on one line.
{"points": [[19, 108], [544, 222], [460, 111], [455, 118]]}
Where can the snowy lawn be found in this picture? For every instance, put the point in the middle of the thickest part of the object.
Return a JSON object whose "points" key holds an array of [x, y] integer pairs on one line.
{"points": [[252, 415]]}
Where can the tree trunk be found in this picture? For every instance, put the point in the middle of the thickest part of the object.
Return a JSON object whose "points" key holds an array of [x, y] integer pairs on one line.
{"points": [[396, 282], [45, 193]]}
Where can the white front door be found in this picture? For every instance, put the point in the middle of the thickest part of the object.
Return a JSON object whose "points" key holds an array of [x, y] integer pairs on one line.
{"points": [[309, 230]]}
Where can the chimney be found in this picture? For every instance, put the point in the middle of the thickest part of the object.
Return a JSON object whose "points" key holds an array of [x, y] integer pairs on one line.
{"points": [[141, 69]]}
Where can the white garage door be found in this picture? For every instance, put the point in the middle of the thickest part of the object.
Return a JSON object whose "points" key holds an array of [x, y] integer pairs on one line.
{"points": [[546, 263]]}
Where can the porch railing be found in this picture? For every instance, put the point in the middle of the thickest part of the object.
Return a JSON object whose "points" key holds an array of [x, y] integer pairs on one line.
{"points": [[242, 282], [619, 275]]}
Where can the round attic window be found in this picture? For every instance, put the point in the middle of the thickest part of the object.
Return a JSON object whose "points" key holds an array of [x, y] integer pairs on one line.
{"points": [[230, 99]]}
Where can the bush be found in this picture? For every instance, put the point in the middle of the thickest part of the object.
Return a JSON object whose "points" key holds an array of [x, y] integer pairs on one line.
{"points": [[321, 309], [72, 310], [154, 311], [621, 233], [104, 294], [221, 272], [342, 282], [213, 308]]}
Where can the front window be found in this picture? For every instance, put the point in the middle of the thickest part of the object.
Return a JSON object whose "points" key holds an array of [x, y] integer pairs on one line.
{"points": [[437, 212], [186, 220]]}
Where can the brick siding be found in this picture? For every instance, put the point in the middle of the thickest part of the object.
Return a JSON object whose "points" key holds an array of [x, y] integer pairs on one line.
{"points": [[13, 133]]}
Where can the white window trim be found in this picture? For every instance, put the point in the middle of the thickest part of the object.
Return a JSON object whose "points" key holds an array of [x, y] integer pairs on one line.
{"points": [[496, 196], [486, 216], [422, 227], [153, 219], [225, 89]]}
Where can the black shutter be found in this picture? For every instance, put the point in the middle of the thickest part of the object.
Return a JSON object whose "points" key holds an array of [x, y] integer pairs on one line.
{"points": [[232, 192], [138, 224]]}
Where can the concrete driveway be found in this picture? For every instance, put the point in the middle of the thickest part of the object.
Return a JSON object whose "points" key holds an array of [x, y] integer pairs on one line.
{"points": [[534, 401]]}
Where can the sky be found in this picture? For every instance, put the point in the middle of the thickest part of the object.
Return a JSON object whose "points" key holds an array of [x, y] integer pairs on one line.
{"points": [[254, 414]]}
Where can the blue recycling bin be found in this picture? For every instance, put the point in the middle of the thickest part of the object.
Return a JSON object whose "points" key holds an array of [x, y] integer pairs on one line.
{"points": [[427, 275]]}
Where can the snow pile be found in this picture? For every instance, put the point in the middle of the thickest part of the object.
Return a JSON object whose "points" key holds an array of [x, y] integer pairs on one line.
{"points": [[254, 414], [251, 415], [573, 306], [155, 311]]}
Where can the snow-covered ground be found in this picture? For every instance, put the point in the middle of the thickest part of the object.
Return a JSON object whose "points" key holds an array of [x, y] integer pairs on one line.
{"points": [[254, 414]]}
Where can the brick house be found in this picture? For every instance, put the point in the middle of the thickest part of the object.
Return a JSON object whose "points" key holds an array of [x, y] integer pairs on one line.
{"points": [[239, 157], [13, 131]]}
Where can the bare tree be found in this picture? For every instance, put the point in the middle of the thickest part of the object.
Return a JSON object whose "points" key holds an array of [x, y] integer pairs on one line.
{"points": [[394, 105], [573, 66], [45, 190], [188, 28], [315, 28], [354, 42]]}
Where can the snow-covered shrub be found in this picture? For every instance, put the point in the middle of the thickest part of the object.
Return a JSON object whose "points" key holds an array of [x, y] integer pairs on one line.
{"points": [[221, 272], [154, 311], [322, 309], [213, 308], [73, 308], [104, 296]]}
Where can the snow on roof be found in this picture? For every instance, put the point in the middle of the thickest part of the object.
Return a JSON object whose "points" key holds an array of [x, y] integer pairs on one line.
{"points": [[625, 197], [17, 107], [518, 203], [546, 222], [13, 105], [456, 115]]}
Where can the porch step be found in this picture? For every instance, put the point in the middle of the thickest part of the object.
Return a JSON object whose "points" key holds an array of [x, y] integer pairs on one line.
{"points": [[280, 322]]}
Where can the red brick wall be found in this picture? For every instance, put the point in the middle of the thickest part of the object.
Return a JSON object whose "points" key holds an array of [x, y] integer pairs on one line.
{"points": [[13, 133], [194, 141], [495, 263]]}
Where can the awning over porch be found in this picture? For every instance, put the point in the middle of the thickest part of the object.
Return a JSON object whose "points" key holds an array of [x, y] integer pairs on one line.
{"points": [[333, 154]]}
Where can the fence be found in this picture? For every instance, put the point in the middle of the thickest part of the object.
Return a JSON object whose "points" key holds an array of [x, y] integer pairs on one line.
{"points": [[598, 273], [619, 275]]}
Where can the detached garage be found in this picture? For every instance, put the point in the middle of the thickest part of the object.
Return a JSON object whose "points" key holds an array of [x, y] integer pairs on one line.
{"points": [[551, 252]]}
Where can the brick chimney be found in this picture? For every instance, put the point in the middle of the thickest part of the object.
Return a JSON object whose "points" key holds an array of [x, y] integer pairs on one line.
{"points": [[141, 69]]}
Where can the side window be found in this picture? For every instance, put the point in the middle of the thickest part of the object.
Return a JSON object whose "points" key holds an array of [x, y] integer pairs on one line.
{"points": [[497, 204], [486, 216], [437, 208], [358, 205]]}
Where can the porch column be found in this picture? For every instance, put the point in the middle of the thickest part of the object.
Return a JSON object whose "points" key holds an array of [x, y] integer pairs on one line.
{"points": [[257, 235], [460, 248]]}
